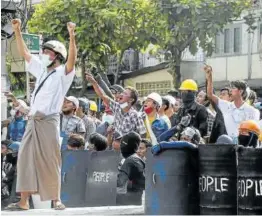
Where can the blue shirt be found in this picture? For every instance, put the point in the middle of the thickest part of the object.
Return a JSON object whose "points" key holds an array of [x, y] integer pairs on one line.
{"points": [[16, 129]]}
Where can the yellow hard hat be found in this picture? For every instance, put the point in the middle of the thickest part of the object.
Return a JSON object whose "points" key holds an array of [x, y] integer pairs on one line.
{"points": [[189, 85], [93, 106]]}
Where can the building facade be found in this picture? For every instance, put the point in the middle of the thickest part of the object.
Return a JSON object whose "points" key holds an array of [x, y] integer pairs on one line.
{"points": [[238, 54]]}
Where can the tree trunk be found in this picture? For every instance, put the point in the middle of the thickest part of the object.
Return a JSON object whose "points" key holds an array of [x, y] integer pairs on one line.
{"points": [[119, 60], [177, 76], [176, 71], [84, 81]]}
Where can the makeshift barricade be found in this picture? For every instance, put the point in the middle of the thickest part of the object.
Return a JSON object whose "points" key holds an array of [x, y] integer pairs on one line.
{"points": [[172, 182], [89, 178], [217, 179]]}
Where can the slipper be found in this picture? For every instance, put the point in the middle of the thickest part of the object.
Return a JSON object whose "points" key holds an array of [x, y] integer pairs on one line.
{"points": [[14, 207], [60, 206]]}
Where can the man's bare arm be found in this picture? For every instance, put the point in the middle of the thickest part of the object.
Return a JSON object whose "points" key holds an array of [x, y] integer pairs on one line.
{"points": [[72, 52], [210, 95], [21, 46], [20, 107], [97, 89]]}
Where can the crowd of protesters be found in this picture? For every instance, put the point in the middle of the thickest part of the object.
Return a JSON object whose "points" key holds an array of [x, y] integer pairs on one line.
{"points": [[191, 115], [130, 125]]}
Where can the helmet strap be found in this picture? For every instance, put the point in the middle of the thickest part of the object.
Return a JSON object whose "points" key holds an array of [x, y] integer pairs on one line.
{"points": [[53, 62]]}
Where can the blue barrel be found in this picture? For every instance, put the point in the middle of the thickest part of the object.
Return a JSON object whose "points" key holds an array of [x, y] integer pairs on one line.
{"points": [[217, 179], [249, 181], [172, 183]]}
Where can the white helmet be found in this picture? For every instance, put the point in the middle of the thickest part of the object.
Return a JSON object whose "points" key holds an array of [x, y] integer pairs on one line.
{"points": [[56, 46], [171, 99], [155, 97]]}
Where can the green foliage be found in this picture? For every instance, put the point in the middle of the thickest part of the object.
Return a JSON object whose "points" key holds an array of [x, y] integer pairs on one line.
{"points": [[196, 22], [17, 80], [103, 27], [109, 27]]}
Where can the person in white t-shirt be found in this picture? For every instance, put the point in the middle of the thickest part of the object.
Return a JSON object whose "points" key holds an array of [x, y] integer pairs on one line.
{"points": [[236, 111], [39, 159]]}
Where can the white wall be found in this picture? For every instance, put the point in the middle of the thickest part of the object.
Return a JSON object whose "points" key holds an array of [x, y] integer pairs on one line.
{"points": [[233, 66]]}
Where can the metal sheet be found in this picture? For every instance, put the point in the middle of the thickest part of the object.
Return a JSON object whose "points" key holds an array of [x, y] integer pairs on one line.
{"points": [[249, 181], [73, 176], [172, 183], [101, 178], [217, 179]]}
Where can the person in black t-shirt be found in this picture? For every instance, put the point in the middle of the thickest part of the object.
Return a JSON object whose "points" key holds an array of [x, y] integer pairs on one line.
{"points": [[131, 179]]}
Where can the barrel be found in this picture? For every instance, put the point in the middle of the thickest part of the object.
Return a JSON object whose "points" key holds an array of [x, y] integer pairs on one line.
{"points": [[172, 183], [249, 174], [217, 179]]}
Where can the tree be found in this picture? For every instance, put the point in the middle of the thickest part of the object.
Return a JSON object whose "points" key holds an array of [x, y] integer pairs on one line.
{"points": [[194, 23], [103, 27]]}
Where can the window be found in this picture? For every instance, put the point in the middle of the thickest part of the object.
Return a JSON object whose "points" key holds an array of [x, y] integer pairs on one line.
{"points": [[227, 41], [161, 87], [236, 40], [217, 44]]}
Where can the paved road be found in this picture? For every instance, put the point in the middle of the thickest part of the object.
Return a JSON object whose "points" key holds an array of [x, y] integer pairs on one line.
{"points": [[110, 210]]}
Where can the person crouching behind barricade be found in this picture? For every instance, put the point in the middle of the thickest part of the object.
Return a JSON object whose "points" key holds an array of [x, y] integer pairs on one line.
{"points": [[143, 147], [192, 135], [75, 142], [97, 142], [130, 179], [249, 133]]}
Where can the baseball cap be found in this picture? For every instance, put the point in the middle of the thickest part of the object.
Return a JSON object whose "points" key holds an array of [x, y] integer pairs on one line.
{"points": [[74, 100], [171, 99]]}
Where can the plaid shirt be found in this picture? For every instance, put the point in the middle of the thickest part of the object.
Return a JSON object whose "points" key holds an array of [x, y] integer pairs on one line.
{"points": [[127, 122]]}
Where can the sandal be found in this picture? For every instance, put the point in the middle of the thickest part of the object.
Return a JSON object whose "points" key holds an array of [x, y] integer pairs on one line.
{"points": [[60, 206], [14, 207]]}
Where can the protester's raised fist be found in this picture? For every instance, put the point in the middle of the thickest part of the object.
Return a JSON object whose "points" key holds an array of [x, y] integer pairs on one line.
{"points": [[16, 24], [208, 70], [90, 77], [71, 27]]}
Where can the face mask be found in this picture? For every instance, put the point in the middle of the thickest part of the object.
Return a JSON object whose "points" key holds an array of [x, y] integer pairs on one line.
{"points": [[46, 60], [108, 118], [148, 110], [124, 105], [188, 97], [243, 140], [13, 112]]}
